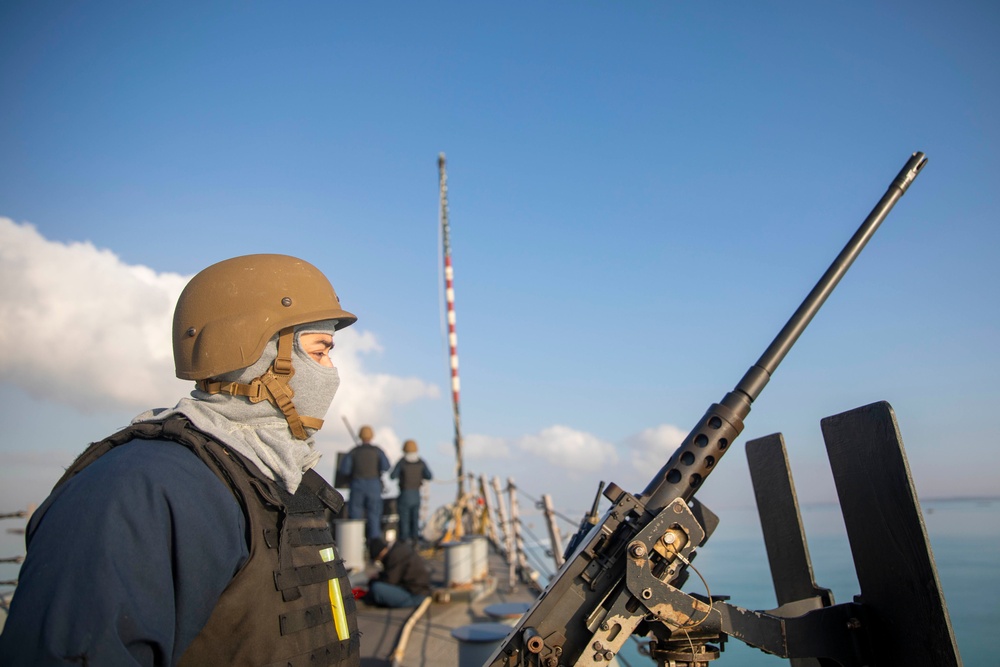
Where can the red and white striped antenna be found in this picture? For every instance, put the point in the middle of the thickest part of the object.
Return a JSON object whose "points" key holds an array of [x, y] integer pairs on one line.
{"points": [[449, 290]]}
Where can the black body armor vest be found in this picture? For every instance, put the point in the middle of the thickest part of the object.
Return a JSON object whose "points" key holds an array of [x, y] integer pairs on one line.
{"points": [[366, 459], [279, 609], [411, 475]]}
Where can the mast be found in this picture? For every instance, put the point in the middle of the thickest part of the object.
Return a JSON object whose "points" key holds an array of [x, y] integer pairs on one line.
{"points": [[449, 290]]}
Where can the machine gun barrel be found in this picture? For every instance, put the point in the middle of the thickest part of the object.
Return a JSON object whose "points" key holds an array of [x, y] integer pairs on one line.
{"points": [[589, 598], [710, 439], [755, 379]]}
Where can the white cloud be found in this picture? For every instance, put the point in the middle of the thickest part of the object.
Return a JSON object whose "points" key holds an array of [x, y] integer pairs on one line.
{"points": [[649, 449], [81, 327], [561, 446], [569, 449], [477, 446]]}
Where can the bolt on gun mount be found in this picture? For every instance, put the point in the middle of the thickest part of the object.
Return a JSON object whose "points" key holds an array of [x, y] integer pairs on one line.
{"points": [[621, 571]]}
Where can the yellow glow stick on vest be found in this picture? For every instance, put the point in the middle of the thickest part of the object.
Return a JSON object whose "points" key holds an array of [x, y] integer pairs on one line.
{"points": [[336, 599]]}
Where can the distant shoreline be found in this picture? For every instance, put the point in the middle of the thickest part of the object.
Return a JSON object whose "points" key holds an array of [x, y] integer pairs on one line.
{"points": [[817, 504], [923, 501]]}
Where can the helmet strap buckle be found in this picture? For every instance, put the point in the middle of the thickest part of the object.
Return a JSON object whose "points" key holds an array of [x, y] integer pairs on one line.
{"points": [[282, 364]]}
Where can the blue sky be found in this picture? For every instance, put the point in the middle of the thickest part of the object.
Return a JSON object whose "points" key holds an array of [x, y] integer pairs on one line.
{"points": [[641, 194]]}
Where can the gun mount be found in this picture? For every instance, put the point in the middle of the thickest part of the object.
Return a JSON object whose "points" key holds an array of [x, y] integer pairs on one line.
{"points": [[625, 573]]}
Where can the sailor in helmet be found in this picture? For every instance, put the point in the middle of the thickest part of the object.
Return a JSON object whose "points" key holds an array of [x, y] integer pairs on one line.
{"points": [[198, 535], [411, 471], [364, 466]]}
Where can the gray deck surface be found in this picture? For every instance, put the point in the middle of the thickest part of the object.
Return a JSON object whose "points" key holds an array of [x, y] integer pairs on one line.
{"points": [[431, 642]]}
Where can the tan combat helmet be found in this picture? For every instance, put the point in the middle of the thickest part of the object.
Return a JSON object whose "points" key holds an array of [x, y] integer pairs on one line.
{"points": [[410, 447], [227, 313], [366, 434]]}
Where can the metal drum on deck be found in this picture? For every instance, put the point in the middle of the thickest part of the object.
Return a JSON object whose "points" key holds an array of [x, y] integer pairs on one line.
{"points": [[350, 536], [480, 556], [457, 563]]}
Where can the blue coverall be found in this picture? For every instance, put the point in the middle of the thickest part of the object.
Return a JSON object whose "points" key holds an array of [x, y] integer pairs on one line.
{"points": [[127, 563], [366, 492]]}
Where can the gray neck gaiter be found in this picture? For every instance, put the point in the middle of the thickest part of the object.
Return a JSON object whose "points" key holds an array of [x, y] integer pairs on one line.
{"points": [[259, 431]]}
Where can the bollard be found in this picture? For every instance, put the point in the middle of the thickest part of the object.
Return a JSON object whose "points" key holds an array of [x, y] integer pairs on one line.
{"points": [[508, 613], [476, 642]]}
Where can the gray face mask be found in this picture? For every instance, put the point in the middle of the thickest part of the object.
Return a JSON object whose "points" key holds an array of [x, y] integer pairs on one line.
{"points": [[314, 385], [259, 431]]}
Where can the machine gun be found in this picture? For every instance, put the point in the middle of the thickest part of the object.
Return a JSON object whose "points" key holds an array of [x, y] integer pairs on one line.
{"points": [[625, 572]]}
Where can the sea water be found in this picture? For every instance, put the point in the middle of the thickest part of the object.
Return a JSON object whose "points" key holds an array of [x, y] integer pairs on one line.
{"points": [[964, 536]]}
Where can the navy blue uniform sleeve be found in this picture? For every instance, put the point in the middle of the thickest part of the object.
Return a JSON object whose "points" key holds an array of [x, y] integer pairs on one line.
{"points": [[347, 464], [127, 562], [427, 471], [395, 470], [383, 461]]}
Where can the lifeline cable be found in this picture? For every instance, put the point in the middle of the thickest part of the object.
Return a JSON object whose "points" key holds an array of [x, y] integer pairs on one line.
{"points": [[540, 505]]}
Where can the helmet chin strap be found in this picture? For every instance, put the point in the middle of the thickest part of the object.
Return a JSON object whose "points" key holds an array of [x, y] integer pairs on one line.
{"points": [[273, 387]]}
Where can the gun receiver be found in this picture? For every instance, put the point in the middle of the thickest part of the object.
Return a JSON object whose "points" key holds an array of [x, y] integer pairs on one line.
{"points": [[621, 571]]}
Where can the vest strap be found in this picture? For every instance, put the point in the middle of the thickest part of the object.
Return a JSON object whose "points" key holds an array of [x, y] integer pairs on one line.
{"points": [[332, 654], [302, 537], [307, 574], [322, 490], [271, 538], [303, 619]]}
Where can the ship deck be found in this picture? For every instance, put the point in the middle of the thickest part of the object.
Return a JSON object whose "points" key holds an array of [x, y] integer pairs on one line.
{"points": [[429, 640]]}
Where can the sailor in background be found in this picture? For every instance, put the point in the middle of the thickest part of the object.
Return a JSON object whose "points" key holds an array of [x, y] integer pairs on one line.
{"points": [[403, 581], [411, 471], [364, 466], [198, 534]]}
